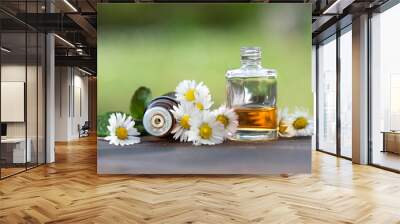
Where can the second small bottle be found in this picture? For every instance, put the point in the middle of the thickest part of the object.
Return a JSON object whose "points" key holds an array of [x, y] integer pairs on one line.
{"points": [[158, 119]]}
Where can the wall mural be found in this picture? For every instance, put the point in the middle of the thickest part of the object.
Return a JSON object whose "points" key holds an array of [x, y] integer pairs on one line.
{"points": [[204, 88]]}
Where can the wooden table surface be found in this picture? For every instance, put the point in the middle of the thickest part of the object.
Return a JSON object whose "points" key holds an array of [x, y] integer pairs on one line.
{"points": [[163, 156]]}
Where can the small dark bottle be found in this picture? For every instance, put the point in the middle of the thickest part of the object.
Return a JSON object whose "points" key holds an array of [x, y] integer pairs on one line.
{"points": [[158, 119]]}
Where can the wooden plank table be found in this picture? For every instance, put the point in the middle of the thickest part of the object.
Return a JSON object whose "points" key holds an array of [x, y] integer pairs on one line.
{"points": [[162, 156]]}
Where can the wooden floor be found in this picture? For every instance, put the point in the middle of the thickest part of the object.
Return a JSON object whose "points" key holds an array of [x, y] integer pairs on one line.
{"points": [[70, 191], [5, 172], [386, 159]]}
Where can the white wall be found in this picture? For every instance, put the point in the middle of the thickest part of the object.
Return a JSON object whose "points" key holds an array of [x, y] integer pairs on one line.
{"points": [[79, 112], [17, 73], [71, 102], [62, 82], [34, 125]]}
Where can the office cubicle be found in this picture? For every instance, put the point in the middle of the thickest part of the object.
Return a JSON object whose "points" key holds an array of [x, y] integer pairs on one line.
{"points": [[22, 97]]}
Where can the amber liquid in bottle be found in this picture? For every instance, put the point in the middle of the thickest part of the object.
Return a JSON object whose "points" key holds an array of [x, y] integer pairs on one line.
{"points": [[257, 119]]}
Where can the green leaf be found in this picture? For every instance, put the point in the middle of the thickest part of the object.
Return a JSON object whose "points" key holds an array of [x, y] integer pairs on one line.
{"points": [[102, 122], [139, 101], [139, 126]]}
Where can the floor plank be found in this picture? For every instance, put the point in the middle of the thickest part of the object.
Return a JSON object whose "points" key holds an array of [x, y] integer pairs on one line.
{"points": [[70, 191]]}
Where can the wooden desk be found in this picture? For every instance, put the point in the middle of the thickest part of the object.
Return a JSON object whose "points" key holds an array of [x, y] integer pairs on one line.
{"points": [[19, 155], [391, 141]]}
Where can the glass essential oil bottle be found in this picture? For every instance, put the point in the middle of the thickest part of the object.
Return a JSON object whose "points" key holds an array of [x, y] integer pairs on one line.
{"points": [[251, 92]]}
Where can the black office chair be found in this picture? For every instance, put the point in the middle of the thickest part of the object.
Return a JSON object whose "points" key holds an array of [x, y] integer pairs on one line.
{"points": [[84, 130]]}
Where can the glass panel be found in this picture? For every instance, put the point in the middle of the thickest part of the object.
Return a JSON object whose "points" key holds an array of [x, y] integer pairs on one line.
{"points": [[386, 89], [2, 160], [23, 90], [41, 98], [314, 90], [13, 88], [32, 98], [346, 94], [327, 96]]}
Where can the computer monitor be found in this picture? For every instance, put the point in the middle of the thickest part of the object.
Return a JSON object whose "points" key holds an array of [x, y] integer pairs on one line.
{"points": [[3, 129]]}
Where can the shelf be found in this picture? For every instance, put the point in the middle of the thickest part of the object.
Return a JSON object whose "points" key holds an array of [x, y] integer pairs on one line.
{"points": [[162, 156]]}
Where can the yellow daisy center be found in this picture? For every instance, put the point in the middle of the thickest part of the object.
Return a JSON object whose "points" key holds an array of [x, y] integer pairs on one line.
{"points": [[223, 119], [189, 95], [300, 123], [205, 131], [282, 127], [200, 106], [121, 133], [184, 122]]}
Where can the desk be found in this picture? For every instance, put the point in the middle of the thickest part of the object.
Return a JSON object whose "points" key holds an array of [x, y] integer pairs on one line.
{"points": [[18, 149], [391, 141]]}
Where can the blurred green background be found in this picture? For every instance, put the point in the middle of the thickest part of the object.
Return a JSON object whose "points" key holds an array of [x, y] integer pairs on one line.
{"points": [[158, 45]]}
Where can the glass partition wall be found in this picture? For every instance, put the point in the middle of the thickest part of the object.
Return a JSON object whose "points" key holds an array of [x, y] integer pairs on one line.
{"points": [[345, 91], [327, 95], [385, 89], [334, 94], [22, 98]]}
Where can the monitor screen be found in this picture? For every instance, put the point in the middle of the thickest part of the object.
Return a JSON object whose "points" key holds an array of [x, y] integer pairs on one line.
{"points": [[3, 129]]}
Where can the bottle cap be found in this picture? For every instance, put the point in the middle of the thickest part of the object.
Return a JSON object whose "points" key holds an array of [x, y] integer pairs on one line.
{"points": [[250, 53], [157, 121]]}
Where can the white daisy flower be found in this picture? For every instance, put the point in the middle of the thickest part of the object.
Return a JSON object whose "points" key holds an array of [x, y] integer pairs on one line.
{"points": [[122, 131], [284, 129], [301, 123], [202, 91], [203, 102], [183, 113], [186, 91], [191, 92], [228, 118], [206, 130]]}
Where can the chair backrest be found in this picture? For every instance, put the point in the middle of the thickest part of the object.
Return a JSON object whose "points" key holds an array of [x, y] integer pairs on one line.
{"points": [[3, 129], [86, 125]]}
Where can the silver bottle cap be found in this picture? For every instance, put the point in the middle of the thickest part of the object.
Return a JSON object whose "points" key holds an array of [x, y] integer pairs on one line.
{"points": [[157, 121]]}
